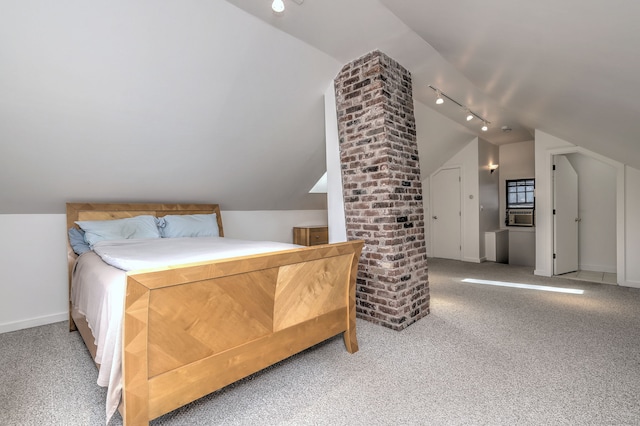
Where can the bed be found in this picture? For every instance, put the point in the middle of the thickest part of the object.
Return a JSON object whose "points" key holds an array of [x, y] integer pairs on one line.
{"points": [[258, 310]]}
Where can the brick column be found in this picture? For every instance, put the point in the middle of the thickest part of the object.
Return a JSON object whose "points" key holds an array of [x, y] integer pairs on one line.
{"points": [[382, 189]]}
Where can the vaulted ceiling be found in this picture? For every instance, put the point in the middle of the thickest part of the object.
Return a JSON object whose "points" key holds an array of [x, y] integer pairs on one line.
{"points": [[567, 68], [157, 101], [208, 100]]}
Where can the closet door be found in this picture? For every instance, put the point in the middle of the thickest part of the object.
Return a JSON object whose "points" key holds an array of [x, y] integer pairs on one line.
{"points": [[446, 214], [566, 220]]}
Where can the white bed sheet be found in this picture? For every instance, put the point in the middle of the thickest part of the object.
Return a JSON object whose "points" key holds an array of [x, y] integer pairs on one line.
{"points": [[97, 292], [98, 288], [137, 254]]}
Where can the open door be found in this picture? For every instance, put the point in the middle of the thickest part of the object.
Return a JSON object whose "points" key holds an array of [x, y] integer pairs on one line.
{"points": [[446, 214], [566, 220]]}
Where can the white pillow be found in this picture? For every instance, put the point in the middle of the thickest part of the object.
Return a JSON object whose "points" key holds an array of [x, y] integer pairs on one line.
{"points": [[189, 225], [119, 229]]}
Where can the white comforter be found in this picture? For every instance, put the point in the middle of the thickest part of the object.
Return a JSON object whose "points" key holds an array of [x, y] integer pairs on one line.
{"points": [[98, 289], [134, 255]]}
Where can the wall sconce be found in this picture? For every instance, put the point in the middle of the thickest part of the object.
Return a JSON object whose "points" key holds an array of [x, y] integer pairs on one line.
{"points": [[492, 168]]}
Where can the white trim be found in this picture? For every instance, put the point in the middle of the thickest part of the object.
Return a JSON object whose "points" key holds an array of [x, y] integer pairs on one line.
{"points": [[33, 322], [335, 200], [635, 284], [597, 268], [460, 169], [620, 207], [541, 272]]}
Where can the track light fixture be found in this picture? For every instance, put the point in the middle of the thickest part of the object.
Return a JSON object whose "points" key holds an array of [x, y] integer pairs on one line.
{"points": [[470, 115]]}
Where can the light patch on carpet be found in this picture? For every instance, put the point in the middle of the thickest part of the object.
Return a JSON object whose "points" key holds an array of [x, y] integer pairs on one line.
{"points": [[525, 286]]}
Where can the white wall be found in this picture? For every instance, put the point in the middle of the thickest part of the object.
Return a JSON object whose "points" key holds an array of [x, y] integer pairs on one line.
{"points": [[33, 259], [517, 161], [426, 204], [632, 227], [335, 199], [487, 192], [544, 143], [627, 205], [597, 211], [269, 225], [438, 137], [186, 99]]}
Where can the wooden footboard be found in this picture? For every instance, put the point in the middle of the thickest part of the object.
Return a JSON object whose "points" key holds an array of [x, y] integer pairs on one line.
{"points": [[191, 330]]}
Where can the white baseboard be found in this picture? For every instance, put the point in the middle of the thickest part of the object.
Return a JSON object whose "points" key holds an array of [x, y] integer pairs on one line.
{"points": [[33, 322], [541, 272], [632, 283], [598, 268]]}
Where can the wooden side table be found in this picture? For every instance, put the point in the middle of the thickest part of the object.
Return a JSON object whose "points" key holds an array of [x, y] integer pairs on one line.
{"points": [[311, 235]]}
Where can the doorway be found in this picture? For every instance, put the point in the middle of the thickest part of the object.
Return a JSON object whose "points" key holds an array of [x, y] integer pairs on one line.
{"points": [[584, 220]]}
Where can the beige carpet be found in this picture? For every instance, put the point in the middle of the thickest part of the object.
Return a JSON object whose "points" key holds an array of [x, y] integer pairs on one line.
{"points": [[486, 355]]}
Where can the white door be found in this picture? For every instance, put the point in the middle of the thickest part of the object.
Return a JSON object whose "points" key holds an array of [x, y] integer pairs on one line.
{"points": [[566, 220], [446, 215]]}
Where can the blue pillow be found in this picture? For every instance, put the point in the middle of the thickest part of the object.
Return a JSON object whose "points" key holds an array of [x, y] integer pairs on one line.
{"points": [[119, 229], [76, 239], [189, 225]]}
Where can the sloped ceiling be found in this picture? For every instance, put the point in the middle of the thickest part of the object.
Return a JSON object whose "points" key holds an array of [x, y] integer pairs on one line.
{"points": [[567, 68], [157, 101], [221, 101]]}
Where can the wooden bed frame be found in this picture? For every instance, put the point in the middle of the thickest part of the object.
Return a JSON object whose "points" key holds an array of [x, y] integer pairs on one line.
{"points": [[192, 329]]}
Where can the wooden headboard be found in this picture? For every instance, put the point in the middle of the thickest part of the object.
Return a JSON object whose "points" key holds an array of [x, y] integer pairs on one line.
{"points": [[99, 211], [108, 211]]}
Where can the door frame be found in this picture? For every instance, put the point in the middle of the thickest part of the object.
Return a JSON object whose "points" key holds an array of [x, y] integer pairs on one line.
{"points": [[461, 174], [566, 248], [620, 208]]}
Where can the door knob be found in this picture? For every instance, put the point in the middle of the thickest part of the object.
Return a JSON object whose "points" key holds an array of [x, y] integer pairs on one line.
{"points": [[435, 217]]}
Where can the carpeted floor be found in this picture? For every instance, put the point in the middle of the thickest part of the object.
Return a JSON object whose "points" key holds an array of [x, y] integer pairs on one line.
{"points": [[486, 355]]}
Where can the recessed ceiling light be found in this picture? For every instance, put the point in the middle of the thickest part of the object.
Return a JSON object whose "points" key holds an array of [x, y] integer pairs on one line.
{"points": [[277, 6]]}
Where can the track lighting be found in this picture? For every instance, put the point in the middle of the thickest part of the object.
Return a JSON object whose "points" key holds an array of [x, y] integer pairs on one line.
{"points": [[470, 115], [277, 6]]}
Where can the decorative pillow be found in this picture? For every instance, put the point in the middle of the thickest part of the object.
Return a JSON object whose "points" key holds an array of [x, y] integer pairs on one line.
{"points": [[76, 239], [119, 229], [189, 225]]}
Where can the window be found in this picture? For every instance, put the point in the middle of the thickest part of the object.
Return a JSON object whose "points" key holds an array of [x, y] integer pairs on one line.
{"points": [[521, 193]]}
